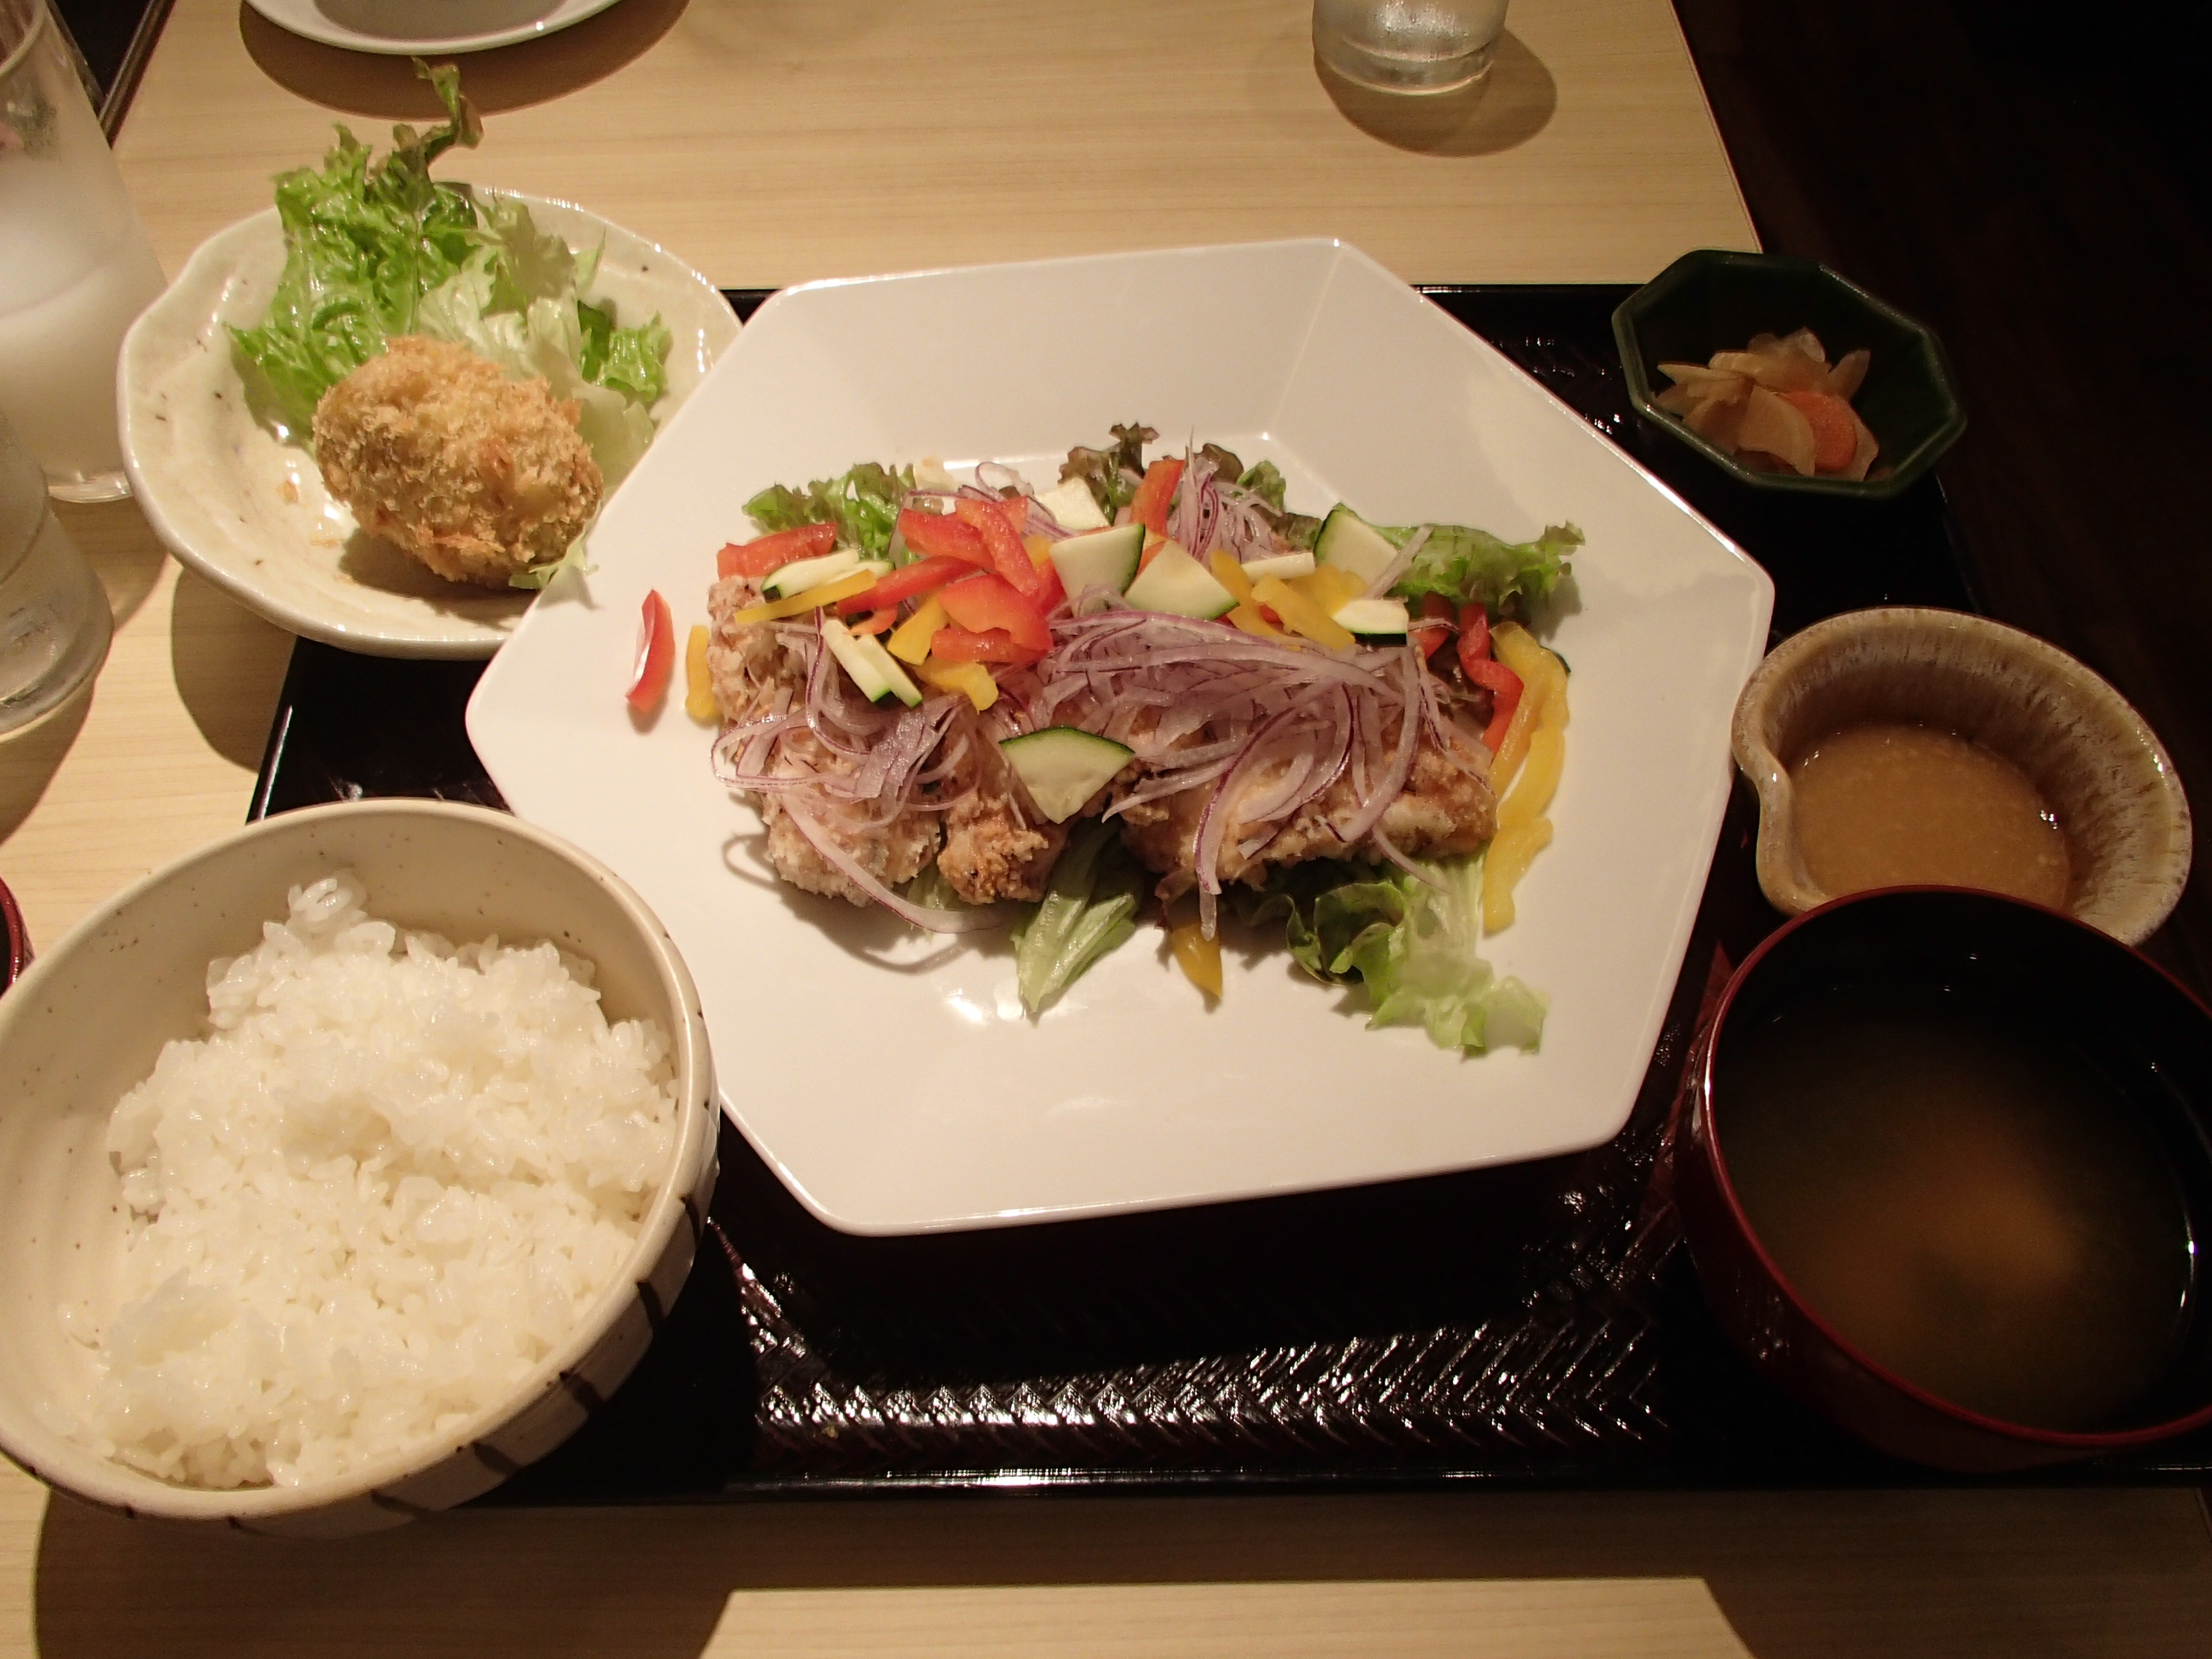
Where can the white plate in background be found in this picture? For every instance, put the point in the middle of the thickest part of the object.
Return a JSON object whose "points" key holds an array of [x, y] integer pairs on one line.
{"points": [[249, 512], [890, 1079], [398, 27]]}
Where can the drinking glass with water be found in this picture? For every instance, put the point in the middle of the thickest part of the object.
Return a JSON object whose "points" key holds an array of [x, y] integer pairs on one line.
{"points": [[55, 625], [1408, 45], [77, 269]]}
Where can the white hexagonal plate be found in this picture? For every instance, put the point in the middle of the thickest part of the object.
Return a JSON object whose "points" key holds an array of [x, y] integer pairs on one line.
{"points": [[890, 1078]]}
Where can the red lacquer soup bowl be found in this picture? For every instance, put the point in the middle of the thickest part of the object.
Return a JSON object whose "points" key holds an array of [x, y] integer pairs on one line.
{"points": [[1943, 1163]]}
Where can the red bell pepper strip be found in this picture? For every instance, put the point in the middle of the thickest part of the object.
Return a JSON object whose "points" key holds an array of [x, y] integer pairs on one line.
{"points": [[986, 602], [1055, 592], [1435, 626], [1149, 507], [996, 645], [656, 655], [1008, 556], [906, 582], [876, 621], [935, 534], [1473, 634], [759, 558], [1505, 687]]}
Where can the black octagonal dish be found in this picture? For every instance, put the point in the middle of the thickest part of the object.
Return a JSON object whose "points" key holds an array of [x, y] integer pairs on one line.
{"points": [[1716, 300]]}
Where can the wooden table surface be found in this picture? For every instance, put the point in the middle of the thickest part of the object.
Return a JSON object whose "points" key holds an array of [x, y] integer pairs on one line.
{"points": [[772, 141]]}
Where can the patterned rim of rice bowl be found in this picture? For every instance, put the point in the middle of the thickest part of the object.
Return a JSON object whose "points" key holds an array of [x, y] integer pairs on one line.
{"points": [[88, 1021]]}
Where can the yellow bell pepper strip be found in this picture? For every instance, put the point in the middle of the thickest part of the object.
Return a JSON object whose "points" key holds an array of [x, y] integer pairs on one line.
{"points": [[1300, 614], [1539, 781], [910, 643], [699, 686], [1230, 572], [1249, 618], [1517, 648], [1199, 956], [1329, 586], [1537, 733], [971, 677], [799, 604], [1546, 684], [1511, 852]]}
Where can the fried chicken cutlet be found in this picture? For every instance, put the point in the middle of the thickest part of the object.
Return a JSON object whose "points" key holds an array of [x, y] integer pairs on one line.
{"points": [[475, 475]]}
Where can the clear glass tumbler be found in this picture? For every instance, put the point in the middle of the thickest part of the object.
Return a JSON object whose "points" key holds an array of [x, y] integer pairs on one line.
{"points": [[1408, 45], [76, 268], [55, 625]]}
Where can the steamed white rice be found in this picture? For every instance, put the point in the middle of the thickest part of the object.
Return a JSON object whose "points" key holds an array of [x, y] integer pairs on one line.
{"points": [[382, 1188]]}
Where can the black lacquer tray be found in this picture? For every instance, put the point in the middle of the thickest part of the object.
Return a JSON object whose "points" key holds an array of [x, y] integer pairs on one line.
{"points": [[1533, 1325]]}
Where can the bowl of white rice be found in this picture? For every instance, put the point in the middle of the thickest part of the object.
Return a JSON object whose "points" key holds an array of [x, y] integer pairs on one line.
{"points": [[346, 1166]]}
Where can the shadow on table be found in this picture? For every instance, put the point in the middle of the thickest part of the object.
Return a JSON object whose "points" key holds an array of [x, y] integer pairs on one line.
{"points": [[1509, 107], [114, 536], [30, 757], [228, 664], [506, 77]]}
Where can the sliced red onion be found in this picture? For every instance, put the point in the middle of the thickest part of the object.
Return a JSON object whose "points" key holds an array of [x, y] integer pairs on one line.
{"points": [[1043, 523], [1167, 784], [1213, 821], [928, 918], [1388, 785], [1387, 578], [1284, 797], [1388, 848]]}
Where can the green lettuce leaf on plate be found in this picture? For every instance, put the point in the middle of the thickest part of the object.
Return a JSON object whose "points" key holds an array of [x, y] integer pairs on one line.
{"points": [[1411, 944], [1464, 564], [863, 503], [1089, 911]]}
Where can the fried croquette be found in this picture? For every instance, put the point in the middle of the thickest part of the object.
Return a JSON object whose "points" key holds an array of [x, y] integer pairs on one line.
{"points": [[474, 474]]}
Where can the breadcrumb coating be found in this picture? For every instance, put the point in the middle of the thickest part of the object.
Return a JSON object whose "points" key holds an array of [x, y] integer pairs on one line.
{"points": [[474, 474]]}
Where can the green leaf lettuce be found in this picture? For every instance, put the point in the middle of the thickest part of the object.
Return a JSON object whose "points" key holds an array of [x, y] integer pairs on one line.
{"points": [[1464, 564], [1412, 945]]}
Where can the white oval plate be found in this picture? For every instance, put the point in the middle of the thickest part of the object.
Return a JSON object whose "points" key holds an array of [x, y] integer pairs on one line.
{"points": [[249, 512], [394, 27], [891, 1080]]}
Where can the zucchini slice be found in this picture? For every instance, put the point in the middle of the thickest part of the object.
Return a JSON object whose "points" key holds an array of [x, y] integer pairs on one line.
{"points": [[1178, 584], [1063, 766], [800, 574], [863, 658], [1374, 619], [1350, 542], [1104, 558], [1288, 566]]}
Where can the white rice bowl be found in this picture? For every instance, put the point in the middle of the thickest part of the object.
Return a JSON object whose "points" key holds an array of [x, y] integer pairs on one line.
{"points": [[382, 1189], [403, 1220]]}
